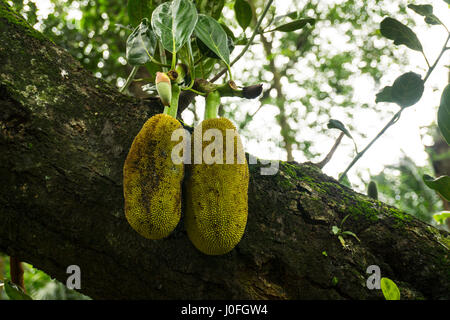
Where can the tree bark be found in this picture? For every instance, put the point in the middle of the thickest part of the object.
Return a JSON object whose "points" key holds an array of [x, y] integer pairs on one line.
{"points": [[64, 136]]}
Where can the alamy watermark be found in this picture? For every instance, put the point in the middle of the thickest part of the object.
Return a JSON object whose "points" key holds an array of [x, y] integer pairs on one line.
{"points": [[213, 153]]}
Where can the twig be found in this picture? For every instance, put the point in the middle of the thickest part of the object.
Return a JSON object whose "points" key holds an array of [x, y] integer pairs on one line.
{"points": [[328, 157], [255, 32], [360, 154], [129, 79], [395, 118]]}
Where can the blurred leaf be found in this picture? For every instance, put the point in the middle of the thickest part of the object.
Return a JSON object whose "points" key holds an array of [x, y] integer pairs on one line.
{"points": [[141, 44], [345, 181], [341, 239], [407, 89], [422, 9], [138, 10], [14, 292], [336, 124], [228, 31], [243, 13], [335, 229], [389, 289], [401, 34], [443, 116], [385, 95], [440, 184], [425, 10], [173, 22], [334, 281], [210, 8], [441, 216], [210, 32], [294, 25], [349, 233]]}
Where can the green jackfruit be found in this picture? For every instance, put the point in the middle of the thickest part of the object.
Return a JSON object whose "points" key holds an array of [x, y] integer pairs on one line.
{"points": [[151, 181], [216, 196]]}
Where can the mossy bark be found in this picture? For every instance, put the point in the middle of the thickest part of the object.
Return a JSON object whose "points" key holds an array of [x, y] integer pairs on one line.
{"points": [[64, 137]]}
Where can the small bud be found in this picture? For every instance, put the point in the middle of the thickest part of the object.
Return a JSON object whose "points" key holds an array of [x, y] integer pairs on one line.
{"points": [[173, 75], [251, 92], [164, 88], [182, 71], [372, 191]]}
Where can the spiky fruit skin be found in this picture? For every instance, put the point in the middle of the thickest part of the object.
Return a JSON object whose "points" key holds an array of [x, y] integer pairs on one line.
{"points": [[216, 198], [151, 181]]}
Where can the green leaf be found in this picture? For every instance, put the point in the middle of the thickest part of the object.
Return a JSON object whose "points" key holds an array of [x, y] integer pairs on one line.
{"points": [[138, 10], [324, 253], [407, 89], [243, 13], [294, 25], [349, 233], [341, 239], [425, 10], [210, 8], [209, 53], [336, 124], [401, 34], [443, 116], [432, 19], [385, 95], [14, 292], [389, 289], [173, 22], [335, 229], [141, 44], [210, 32], [422, 9], [345, 180], [440, 184], [228, 31], [334, 281], [441, 216]]}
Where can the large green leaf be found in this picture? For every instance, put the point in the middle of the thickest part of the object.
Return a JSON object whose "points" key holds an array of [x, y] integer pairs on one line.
{"points": [[173, 22], [207, 52], [390, 289], [443, 116], [141, 44], [211, 33], [401, 34], [138, 10], [243, 13], [295, 25], [440, 184]]}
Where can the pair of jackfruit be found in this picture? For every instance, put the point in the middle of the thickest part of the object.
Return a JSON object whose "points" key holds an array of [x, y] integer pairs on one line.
{"points": [[215, 194]]}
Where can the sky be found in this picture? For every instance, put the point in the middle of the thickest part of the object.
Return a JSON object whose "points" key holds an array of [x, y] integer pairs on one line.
{"points": [[407, 136]]}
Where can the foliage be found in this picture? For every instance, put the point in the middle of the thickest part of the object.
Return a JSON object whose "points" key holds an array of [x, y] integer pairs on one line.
{"points": [[39, 285], [402, 186]]}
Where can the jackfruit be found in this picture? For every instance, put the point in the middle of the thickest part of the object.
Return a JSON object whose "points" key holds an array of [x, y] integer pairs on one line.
{"points": [[151, 181], [216, 194]]}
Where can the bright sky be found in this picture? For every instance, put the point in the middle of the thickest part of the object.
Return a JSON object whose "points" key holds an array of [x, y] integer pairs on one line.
{"points": [[405, 136]]}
